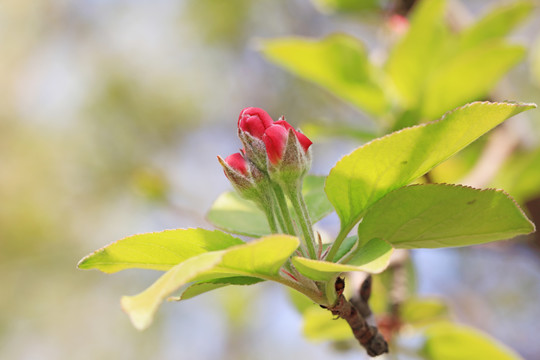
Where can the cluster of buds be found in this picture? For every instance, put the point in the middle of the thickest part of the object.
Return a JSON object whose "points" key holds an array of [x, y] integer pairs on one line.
{"points": [[273, 161], [273, 150]]}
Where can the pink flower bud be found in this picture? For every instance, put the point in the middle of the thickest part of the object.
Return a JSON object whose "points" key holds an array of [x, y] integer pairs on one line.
{"points": [[254, 121], [275, 140], [303, 139], [237, 163]]}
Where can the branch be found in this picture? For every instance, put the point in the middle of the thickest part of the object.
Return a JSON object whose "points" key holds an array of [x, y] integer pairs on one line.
{"points": [[355, 314]]}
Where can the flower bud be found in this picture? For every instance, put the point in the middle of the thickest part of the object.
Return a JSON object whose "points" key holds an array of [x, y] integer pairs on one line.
{"points": [[304, 141], [289, 156], [237, 171], [238, 163], [254, 121], [275, 140]]}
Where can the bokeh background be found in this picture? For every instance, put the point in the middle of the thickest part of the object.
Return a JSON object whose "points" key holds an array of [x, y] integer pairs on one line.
{"points": [[111, 117]]}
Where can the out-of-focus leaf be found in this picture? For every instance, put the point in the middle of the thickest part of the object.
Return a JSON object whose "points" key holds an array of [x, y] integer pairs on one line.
{"points": [[496, 24], [320, 325], [262, 259], [158, 251], [421, 311], [372, 258], [438, 215], [380, 297], [346, 6], [232, 213], [329, 130], [520, 175], [205, 286], [467, 76], [448, 341], [338, 63], [315, 197], [417, 52], [300, 301], [367, 174]]}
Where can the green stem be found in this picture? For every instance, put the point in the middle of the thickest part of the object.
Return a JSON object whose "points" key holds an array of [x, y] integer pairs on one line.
{"points": [[269, 212], [284, 213], [337, 243], [302, 214], [277, 214]]}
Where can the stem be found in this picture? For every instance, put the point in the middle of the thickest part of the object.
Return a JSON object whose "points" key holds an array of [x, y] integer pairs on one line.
{"points": [[368, 336], [277, 213], [337, 243], [302, 214], [271, 219], [284, 213]]}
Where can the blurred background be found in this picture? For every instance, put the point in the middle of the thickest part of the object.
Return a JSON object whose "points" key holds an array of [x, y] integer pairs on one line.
{"points": [[112, 114]]}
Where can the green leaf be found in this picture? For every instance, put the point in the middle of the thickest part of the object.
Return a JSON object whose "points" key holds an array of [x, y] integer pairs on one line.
{"points": [[417, 52], [448, 341], [262, 259], [367, 174], [315, 197], [232, 213], [338, 63], [468, 76], [437, 215], [320, 131], [372, 258], [320, 325], [496, 24], [346, 6], [520, 175], [300, 301], [158, 250], [205, 286], [422, 311]]}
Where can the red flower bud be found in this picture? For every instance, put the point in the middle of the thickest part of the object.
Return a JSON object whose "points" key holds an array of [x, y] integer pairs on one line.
{"points": [[303, 139], [238, 163], [275, 140], [254, 121]]}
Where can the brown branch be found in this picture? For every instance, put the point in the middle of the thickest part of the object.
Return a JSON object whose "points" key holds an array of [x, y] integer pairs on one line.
{"points": [[355, 313]]}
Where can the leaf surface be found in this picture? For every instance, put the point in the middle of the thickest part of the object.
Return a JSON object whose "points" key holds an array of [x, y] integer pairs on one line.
{"points": [[235, 214], [338, 63], [367, 174], [448, 341], [468, 76], [158, 251], [437, 215], [205, 286], [423, 311], [372, 258], [320, 325], [496, 24], [417, 52], [262, 259]]}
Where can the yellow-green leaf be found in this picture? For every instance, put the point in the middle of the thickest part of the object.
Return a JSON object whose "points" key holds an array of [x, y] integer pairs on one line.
{"points": [[261, 259], [158, 251], [367, 174], [438, 215], [338, 63], [372, 258], [448, 341]]}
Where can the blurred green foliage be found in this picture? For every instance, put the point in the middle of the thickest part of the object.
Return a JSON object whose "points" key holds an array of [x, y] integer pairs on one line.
{"points": [[429, 70], [94, 96]]}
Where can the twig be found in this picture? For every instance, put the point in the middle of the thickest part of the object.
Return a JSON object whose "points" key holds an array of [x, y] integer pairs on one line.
{"points": [[355, 314]]}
